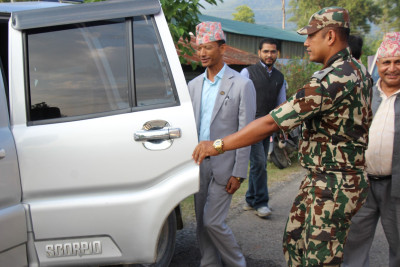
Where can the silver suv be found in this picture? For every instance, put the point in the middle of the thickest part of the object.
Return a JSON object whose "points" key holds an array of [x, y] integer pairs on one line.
{"points": [[96, 134]]}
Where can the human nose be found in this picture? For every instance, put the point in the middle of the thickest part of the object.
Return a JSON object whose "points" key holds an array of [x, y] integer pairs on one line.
{"points": [[306, 44], [392, 66], [201, 52]]}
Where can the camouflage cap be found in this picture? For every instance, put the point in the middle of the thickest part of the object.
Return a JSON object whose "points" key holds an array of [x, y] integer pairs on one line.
{"points": [[329, 16]]}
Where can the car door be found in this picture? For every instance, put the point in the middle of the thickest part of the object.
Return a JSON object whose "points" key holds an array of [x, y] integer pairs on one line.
{"points": [[13, 229], [105, 140]]}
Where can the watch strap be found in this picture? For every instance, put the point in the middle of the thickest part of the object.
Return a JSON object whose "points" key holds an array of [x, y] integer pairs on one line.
{"points": [[218, 145], [240, 180]]}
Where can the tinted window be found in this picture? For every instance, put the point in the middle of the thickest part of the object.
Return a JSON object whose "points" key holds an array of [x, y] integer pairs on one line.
{"points": [[153, 84], [78, 70], [87, 69]]}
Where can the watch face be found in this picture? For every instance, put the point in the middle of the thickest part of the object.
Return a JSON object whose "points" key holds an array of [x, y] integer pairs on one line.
{"points": [[218, 145]]}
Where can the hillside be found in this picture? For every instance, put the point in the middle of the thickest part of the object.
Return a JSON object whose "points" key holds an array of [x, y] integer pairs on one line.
{"points": [[266, 12]]}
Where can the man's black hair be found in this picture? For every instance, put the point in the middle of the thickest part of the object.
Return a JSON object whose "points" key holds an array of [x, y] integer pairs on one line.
{"points": [[341, 32], [220, 42], [355, 42], [344, 33], [267, 41]]}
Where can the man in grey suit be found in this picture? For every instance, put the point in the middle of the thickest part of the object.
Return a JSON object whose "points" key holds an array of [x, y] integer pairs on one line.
{"points": [[383, 164], [223, 103]]}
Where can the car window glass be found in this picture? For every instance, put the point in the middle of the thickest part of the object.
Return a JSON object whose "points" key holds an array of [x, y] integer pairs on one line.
{"points": [[78, 70], [152, 80]]}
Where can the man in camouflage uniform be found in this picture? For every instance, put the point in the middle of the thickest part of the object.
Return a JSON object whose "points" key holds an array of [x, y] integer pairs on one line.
{"points": [[334, 109]]}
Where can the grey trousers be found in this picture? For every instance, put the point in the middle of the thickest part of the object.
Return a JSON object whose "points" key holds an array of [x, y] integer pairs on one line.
{"points": [[379, 204], [217, 243]]}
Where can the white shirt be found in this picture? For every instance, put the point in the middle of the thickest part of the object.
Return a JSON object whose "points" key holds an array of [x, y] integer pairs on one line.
{"points": [[381, 136]]}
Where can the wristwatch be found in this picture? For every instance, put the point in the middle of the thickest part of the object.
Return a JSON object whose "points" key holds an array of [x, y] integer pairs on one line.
{"points": [[218, 145], [240, 180]]}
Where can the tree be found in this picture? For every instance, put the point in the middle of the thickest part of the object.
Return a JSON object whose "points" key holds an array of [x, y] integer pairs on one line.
{"points": [[244, 13], [297, 72], [390, 20], [182, 18], [283, 14], [370, 46], [361, 12], [395, 14]]}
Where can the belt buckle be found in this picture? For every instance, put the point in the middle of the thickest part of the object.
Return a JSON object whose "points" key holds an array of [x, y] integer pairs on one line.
{"points": [[373, 177], [379, 177]]}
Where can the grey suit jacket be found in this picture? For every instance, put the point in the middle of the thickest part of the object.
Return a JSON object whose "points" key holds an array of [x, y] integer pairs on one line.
{"points": [[235, 107], [376, 101]]}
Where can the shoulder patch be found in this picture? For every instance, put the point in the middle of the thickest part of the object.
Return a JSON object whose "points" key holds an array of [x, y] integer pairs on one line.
{"points": [[319, 75]]}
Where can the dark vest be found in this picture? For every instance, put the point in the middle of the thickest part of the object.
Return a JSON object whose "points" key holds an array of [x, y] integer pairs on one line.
{"points": [[267, 88]]}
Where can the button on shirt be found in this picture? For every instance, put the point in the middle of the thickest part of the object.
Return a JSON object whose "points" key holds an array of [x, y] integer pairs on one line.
{"points": [[208, 96], [381, 136]]}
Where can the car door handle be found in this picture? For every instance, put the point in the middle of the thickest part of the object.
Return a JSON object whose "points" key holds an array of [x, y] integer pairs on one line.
{"points": [[157, 135], [166, 133], [2, 153]]}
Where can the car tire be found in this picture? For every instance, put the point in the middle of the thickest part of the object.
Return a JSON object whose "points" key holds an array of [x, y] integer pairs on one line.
{"points": [[166, 242], [278, 160]]}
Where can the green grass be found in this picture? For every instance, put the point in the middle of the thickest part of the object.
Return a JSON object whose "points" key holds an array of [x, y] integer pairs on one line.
{"points": [[274, 175]]}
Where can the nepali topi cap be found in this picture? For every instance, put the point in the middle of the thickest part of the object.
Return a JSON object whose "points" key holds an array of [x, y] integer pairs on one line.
{"points": [[327, 17], [390, 46], [208, 31]]}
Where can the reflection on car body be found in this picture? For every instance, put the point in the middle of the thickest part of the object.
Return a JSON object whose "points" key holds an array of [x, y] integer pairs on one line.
{"points": [[96, 134]]}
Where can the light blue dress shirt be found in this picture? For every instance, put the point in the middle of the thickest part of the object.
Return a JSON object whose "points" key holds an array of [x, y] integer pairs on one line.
{"points": [[282, 93], [208, 96]]}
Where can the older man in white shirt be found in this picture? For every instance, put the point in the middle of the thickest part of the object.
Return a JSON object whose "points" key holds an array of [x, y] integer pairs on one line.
{"points": [[383, 164]]}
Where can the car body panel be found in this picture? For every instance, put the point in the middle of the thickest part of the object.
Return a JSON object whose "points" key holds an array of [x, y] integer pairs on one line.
{"points": [[13, 229], [88, 180]]}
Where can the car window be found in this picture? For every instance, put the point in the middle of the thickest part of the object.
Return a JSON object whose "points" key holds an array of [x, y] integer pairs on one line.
{"points": [[92, 69], [78, 70], [152, 80]]}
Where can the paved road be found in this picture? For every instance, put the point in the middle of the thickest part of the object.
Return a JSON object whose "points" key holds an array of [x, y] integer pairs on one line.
{"points": [[261, 239]]}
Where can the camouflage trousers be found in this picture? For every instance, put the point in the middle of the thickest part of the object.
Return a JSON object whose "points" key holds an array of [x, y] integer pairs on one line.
{"points": [[319, 220]]}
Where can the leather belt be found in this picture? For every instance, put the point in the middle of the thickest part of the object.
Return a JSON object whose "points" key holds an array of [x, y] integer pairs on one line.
{"points": [[379, 177]]}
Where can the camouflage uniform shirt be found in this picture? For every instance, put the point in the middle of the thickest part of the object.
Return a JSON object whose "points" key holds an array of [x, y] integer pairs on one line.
{"points": [[334, 108]]}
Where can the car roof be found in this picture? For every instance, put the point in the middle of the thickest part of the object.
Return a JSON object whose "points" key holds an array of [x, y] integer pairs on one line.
{"points": [[22, 6], [29, 15]]}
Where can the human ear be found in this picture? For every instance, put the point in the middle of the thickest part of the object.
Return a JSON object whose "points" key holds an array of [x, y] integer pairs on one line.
{"points": [[331, 36], [222, 48]]}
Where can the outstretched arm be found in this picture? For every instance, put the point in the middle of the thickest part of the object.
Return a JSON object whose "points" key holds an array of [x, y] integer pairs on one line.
{"points": [[255, 131]]}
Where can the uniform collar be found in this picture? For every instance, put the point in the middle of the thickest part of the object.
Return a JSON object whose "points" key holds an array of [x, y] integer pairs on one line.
{"points": [[341, 55]]}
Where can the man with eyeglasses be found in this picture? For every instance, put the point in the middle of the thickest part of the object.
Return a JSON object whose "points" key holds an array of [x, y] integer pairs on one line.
{"points": [[270, 93]]}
